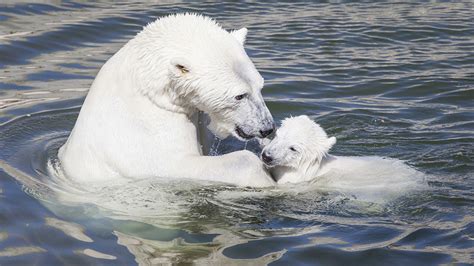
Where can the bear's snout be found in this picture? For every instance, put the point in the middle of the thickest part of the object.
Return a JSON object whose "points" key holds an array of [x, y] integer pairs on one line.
{"points": [[266, 132], [266, 158]]}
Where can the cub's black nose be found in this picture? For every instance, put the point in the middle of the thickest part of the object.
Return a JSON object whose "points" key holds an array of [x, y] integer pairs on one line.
{"points": [[266, 158], [267, 132]]}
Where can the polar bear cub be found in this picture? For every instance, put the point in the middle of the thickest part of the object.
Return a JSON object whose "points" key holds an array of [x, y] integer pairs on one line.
{"points": [[298, 151]]}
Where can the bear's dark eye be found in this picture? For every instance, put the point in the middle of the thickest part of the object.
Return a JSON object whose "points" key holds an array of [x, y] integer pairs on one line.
{"points": [[292, 149], [182, 68], [241, 96]]}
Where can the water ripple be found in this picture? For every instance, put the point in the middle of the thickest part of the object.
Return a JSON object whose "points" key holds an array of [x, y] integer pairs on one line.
{"points": [[393, 79]]}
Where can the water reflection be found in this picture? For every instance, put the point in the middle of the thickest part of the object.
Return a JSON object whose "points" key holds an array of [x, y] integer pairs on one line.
{"points": [[389, 80]]}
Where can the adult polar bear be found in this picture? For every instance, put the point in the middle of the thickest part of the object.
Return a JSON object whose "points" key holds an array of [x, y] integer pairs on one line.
{"points": [[137, 119]]}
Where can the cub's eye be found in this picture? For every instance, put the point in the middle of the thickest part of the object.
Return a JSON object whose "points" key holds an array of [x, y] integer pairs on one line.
{"points": [[241, 96], [292, 149]]}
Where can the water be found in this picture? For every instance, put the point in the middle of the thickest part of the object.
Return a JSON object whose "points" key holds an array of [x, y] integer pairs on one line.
{"points": [[392, 80]]}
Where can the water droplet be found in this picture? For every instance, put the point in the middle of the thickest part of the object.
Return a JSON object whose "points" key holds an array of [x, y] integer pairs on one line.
{"points": [[215, 146]]}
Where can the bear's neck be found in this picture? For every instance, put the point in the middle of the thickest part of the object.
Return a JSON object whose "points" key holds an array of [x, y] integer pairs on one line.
{"points": [[148, 79], [306, 172], [121, 97], [284, 174]]}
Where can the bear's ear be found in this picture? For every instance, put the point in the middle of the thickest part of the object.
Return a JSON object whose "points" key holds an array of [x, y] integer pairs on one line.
{"points": [[179, 66], [240, 35], [330, 142]]}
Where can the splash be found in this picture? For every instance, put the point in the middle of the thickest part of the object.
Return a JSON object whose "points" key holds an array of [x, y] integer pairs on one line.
{"points": [[181, 202], [214, 151]]}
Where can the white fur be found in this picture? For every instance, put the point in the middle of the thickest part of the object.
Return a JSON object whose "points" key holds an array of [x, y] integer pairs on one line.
{"points": [[310, 161], [298, 148], [138, 118]]}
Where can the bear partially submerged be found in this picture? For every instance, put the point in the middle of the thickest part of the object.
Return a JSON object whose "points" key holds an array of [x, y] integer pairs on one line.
{"points": [[138, 118], [299, 152]]}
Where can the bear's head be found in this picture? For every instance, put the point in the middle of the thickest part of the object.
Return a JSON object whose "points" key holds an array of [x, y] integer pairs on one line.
{"points": [[191, 63], [299, 143]]}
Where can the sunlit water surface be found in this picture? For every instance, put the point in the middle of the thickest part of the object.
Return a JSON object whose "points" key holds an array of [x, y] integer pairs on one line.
{"points": [[389, 80]]}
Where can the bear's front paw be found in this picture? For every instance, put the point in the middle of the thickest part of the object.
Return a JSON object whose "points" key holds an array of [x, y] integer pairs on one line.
{"points": [[254, 171]]}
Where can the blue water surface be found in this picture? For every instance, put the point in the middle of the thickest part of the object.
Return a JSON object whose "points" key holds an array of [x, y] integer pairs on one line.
{"points": [[391, 79]]}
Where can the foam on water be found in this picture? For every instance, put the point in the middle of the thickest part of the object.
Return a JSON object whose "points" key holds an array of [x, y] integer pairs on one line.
{"points": [[168, 202]]}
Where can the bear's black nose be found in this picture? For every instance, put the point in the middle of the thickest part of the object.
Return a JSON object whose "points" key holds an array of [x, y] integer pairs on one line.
{"points": [[266, 158], [267, 132]]}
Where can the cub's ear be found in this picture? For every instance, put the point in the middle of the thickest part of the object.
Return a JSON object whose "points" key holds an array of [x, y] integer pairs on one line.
{"points": [[179, 66], [240, 35], [330, 142]]}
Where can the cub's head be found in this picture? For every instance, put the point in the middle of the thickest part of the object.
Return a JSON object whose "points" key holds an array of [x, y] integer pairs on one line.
{"points": [[207, 69], [299, 142]]}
